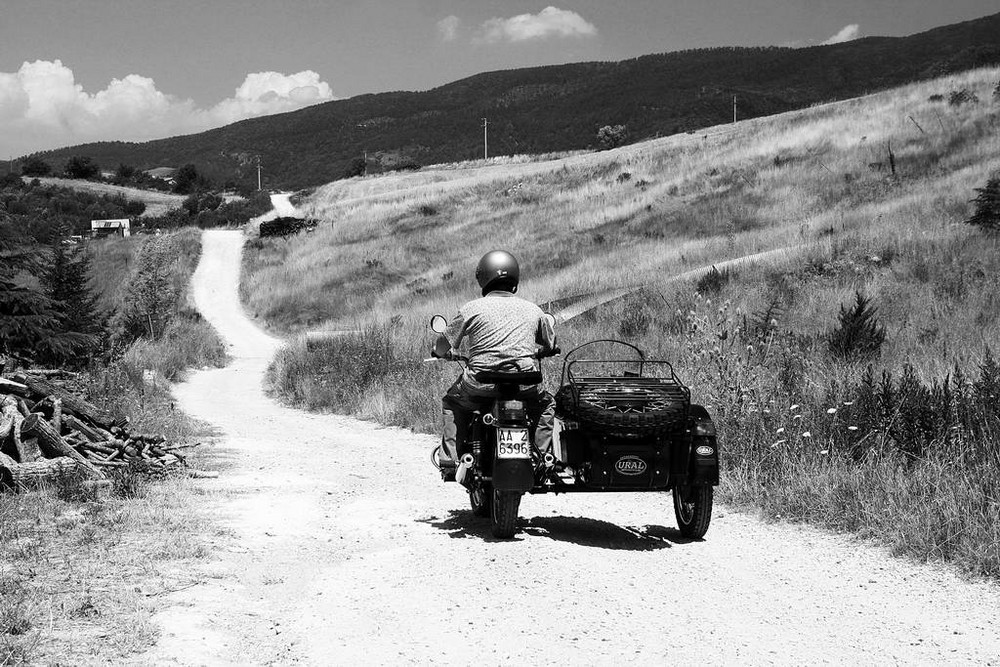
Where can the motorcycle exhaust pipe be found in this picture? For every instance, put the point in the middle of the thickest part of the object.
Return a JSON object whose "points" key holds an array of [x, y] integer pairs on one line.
{"points": [[464, 465], [549, 460]]}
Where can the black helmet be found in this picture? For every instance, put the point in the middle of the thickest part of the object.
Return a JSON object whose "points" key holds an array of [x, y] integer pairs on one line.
{"points": [[498, 270]]}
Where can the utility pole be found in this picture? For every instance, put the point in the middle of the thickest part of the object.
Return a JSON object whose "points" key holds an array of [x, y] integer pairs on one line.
{"points": [[486, 153], [258, 174], [366, 162], [734, 109]]}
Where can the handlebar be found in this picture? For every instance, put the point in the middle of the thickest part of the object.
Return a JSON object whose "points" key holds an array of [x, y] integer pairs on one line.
{"points": [[541, 354]]}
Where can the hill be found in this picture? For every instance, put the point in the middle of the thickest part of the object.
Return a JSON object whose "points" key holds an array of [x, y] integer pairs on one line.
{"points": [[557, 108], [893, 435]]}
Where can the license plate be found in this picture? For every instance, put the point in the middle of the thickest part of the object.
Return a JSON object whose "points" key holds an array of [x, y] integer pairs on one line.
{"points": [[512, 443]]}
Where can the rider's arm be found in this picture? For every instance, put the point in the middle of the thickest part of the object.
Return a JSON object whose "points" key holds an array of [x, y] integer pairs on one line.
{"points": [[546, 335], [455, 332]]}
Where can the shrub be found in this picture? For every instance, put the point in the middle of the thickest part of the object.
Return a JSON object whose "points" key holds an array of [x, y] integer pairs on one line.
{"points": [[859, 333], [355, 168], [636, 317], [80, 166], [987, 215], [963, 96], [712, 282], [35, 166], [996, 92], [188, 180], [612, 136]]}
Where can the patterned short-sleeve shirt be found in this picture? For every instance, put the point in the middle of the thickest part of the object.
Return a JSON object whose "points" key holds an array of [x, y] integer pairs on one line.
{"points": [[500, 331]]}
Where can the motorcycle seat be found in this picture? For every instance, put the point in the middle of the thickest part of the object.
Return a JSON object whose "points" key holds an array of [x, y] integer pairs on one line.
{"points": [[508, 377]]}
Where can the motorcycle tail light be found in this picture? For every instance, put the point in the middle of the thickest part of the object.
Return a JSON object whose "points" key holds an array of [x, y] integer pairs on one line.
{"points": [[511, 411]]}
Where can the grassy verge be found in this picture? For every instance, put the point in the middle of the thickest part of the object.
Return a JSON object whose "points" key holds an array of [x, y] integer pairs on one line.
{"points": [[915, 469], [80, 575]]}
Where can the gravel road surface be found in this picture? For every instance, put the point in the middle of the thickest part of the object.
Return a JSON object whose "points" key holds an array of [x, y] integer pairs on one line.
{"points": [[343, 547]]}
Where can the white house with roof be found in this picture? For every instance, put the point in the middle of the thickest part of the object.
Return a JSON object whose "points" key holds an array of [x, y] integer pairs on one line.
{"points": [[101, 228]]}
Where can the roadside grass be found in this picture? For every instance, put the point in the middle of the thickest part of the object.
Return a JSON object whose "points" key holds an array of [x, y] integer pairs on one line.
{"points": [[815, 186], [80, 572], [79, 576]]}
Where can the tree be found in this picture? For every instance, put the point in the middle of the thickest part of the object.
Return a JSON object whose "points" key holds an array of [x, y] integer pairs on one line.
{"points": [[126, 173], [612, 136], [35, 166], [187, 180], [27, 317], [859, 334], [987, 215], [355, 168], [66, 281], [80, 166]]}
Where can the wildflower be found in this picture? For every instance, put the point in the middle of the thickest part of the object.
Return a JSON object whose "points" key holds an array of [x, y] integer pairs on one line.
{"points": [[795, 406], [781, 430], [807, 434], [831, 411], [852, 428], [778, 443], [848, 402], [797, 417], [766, 411], [824, 451]]}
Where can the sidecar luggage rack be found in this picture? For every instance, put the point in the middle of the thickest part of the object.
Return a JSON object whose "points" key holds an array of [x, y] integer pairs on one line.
{"points": [[632, 394], [640, 401]]}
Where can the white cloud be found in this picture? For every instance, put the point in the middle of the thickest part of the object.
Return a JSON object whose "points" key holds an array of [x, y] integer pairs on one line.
{"points": [[42, 106], [550, 22], [448, 27], [846, 34]]}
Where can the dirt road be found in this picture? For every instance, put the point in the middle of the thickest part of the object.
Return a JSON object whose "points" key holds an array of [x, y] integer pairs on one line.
{"points": [[344, 548]]}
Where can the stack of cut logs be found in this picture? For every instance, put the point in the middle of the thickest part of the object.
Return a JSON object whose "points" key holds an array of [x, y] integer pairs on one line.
{"points": [[47, 432]]}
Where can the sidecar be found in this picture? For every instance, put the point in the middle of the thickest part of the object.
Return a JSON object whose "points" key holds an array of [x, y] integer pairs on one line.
{"points": [[626, 423]]}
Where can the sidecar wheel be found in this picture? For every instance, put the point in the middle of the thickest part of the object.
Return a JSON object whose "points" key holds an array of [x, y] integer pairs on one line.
{"points": [[503, 513], [481, 499], [693, 510]]}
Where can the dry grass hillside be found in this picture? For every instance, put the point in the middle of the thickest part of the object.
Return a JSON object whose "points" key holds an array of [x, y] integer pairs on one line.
{"points": [[812, 427]]}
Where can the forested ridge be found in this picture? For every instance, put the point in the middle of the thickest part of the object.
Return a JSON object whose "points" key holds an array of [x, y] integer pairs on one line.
{"points": [[555, 108]]}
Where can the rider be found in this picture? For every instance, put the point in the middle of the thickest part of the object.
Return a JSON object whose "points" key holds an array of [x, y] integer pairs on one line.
{"points": [[501, 332]]}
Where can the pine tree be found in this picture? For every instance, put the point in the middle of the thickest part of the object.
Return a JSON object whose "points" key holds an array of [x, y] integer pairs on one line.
{"points": [[859, 333], [66, 283], [987, 215], [27, 317]]}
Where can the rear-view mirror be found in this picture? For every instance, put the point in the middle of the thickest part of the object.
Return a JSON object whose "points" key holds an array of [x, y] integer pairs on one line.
{"points": [[439, 324]]}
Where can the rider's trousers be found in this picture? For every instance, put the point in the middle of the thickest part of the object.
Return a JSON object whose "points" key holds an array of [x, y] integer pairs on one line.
{"points": [[461, 400]]}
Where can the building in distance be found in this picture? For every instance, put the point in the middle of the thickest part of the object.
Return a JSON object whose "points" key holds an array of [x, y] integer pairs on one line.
{"points": [[101, 228]]}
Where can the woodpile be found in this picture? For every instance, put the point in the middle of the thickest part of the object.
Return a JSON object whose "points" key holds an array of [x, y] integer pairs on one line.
{"points": [[47, 432], [285, 226]]}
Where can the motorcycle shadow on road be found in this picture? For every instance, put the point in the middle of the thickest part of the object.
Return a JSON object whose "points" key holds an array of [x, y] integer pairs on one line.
{"points": [[576, 530]]}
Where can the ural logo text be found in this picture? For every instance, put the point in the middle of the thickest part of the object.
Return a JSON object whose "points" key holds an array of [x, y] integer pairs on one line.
{"points": [[630, 465]]}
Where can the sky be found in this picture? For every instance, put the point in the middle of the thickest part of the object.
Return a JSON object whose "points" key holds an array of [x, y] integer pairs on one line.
{"points": [[74, 71]]}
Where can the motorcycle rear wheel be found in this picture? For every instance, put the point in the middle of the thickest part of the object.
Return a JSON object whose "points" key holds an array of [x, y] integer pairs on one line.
{"points": [[481, 498], [503, 513], [693, 510]]}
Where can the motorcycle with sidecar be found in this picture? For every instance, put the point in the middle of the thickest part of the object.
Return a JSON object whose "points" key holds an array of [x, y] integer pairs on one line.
{"points": [[623, 423]]}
